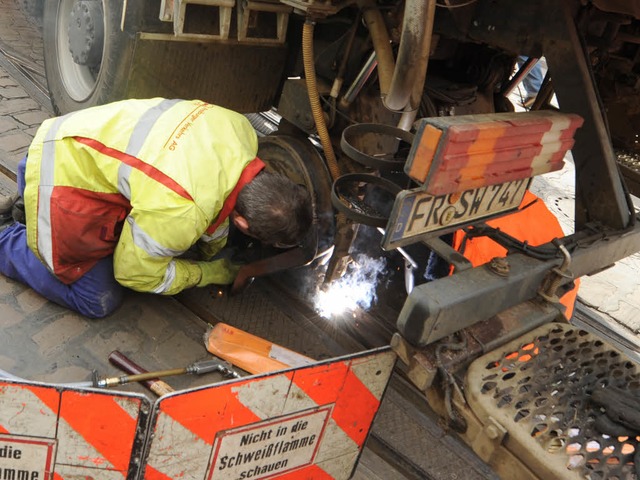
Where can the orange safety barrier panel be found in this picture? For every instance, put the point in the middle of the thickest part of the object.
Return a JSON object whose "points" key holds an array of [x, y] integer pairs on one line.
{"points": [[453, 154], [305, 423], [53, 433]]}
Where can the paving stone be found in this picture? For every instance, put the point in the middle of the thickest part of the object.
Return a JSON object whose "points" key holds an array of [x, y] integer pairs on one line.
{"points": [[7, 124], [18, 105], [30, 301], [7, 81], [59, 332], [31, 118], [13, 92], [15, 141]]}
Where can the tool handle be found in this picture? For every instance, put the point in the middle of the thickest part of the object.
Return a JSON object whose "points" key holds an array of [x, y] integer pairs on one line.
{"points": [[124, 363]]}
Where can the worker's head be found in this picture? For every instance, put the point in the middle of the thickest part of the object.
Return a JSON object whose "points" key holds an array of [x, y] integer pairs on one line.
{"points": [[274, 210]]}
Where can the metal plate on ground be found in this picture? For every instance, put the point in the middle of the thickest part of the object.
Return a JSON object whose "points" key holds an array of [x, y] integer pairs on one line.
{"points": [[538, 388]]}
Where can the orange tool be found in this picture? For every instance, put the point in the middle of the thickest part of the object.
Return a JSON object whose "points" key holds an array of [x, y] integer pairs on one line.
{"points": [[249, 352]]}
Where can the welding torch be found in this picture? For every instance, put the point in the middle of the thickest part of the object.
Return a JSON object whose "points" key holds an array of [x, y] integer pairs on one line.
{"points": [[197, 368]]}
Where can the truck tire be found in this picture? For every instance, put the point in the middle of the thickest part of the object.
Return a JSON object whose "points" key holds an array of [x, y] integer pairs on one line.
{"points": [[33, 8], [88, 64]]}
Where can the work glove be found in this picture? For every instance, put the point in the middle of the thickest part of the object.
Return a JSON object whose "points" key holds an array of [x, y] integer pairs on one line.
{"points": [[218, 272]]}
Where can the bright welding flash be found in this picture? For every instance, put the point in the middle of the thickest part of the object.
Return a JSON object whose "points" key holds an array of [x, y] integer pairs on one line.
{"points": [[354, 291]]}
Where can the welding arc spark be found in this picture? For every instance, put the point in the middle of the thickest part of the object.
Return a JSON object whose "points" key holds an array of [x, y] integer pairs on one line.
{"points": [[355, 290]]}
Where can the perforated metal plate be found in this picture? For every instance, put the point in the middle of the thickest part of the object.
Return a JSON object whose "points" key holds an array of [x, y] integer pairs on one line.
{"points": [[538, 388]]}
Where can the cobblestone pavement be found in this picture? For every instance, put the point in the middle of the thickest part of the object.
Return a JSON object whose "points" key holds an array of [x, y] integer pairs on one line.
{"points": [[20, 114]]}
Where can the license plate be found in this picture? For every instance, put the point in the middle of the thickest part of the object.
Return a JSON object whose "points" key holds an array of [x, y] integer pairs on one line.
{"points": [[416, 212]]}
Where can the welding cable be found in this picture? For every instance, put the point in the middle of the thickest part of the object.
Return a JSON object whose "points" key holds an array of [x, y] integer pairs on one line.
{"points": [[513, 244], [456, 420]]}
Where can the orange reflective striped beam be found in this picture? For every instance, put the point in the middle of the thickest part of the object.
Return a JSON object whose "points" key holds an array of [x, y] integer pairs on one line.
{"points": [[453, 154]]}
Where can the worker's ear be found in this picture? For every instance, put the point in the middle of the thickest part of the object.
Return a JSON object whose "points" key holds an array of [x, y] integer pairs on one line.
{"points": [[240, 222]]}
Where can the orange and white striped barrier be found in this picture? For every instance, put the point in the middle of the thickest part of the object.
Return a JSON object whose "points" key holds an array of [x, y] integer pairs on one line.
{"points": [[305, 423], [55, 433], [454, 154]]}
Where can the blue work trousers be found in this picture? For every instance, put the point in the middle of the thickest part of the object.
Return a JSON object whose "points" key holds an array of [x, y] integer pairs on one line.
{"points": [[96, 294]]}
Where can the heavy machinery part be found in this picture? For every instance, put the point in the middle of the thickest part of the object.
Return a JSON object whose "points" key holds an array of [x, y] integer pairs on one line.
{"points": [[600, 194], [423, 364], [73, 85], [139, 64], [299, 160], [383, 53], [347, 200], [413, 55], [384, 161], [437, 309], [242, 77], [538, 388]]}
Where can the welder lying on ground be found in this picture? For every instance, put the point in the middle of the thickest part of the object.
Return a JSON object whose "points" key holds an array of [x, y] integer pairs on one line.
{"points": [[115, 194]]}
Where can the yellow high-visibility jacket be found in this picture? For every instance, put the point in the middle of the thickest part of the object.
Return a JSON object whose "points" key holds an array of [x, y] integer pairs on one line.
{"points": [[142, 179]]}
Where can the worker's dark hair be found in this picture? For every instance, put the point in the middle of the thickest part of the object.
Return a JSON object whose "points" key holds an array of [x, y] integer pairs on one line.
{"points": [[278, 211]]}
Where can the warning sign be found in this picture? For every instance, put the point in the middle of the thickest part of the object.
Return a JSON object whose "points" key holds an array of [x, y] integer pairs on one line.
{"points": [[268, 448], [26, 458]]}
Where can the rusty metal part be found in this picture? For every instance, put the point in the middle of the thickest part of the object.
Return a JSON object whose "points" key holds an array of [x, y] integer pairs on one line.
{"points": [[163, 66], [357, 210], [294, 106], [340, 258], [539, 387], [410, 71], [423, 364], [317, 8], [254, 21], [499, 266], [551, 28], [386, 161], [223, 11], [437, 309], [519, 76], [549, 289], [383, 54]]}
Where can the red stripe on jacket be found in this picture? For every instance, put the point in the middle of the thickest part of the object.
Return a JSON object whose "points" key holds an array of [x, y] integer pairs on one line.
{"points": [[248, 174], [134, 162]]}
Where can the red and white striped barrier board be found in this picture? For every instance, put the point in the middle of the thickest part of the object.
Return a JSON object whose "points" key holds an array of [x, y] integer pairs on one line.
{"points": [[54, 433], [305, 423]]}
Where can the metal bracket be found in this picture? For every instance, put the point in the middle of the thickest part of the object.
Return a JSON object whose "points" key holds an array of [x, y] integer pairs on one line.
{"points": [[225, 9], [247, 12], [489, 439], [166, 11]]}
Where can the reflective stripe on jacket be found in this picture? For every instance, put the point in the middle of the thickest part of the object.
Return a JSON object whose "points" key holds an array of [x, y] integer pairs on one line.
{"points": [[142, 179]]}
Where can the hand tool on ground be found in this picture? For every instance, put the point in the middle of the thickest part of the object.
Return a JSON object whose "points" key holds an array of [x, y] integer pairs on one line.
{"points": [[124, 363], [198, 368]]}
